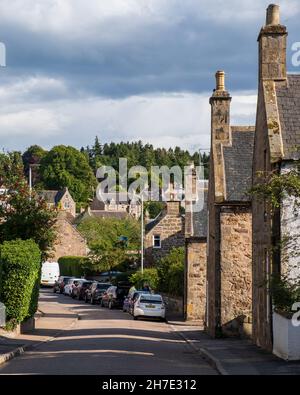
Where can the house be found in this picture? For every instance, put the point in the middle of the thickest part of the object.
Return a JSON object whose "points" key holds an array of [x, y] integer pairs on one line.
{"points": [[229, 263], [163, 233], [196, 254], [276, 149], [115, 206], [62, 200]]}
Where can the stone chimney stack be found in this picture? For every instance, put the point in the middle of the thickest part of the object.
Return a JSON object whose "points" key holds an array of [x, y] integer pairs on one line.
{"points": [[272, 47], [220, 131]]}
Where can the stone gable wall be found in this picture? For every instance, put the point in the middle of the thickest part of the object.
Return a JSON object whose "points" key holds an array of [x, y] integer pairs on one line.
{"points": [[171, 231], [195, 280], [69, 241], [236, 269]]}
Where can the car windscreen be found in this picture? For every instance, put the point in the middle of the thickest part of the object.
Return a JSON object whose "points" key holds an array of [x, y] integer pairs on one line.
{"points": [[103, 287], [151, 299]]}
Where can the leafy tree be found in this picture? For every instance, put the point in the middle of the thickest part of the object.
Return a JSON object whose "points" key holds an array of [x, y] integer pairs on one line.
{"points": [[171, 272], [11, 167], [112, 241], [33, 155], [67, 167], [24, 215], [149, 276]]}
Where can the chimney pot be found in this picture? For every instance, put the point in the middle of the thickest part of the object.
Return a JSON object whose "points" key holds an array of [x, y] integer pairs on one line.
{"points": [[273, 15], [220, 81]]}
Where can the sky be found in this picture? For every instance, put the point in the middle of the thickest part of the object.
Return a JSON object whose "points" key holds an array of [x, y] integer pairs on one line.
{"points": [[127, 70]]}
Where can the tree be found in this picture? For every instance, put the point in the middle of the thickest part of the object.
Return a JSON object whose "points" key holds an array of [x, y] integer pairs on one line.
{"points": [[67, 167], [33, 155], [111, 241], [24, 215], [171, 272], [11, 167]]}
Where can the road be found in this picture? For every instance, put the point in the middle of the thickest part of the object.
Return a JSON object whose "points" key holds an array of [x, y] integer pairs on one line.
{"points": [[109, 342]]}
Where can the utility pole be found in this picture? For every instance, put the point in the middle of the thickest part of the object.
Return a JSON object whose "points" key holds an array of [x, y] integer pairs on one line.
{"points": [[142, 235]]}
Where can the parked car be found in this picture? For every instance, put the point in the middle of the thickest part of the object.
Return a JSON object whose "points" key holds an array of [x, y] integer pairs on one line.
{"points": [[95, 292], [130, 300], [73, 282], [148, 305], [60, 284], [79, 290], [50, 273], [114, 296]]}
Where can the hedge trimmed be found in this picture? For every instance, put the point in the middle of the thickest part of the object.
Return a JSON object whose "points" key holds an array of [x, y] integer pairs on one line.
{"points": [[20, 269], [74, 266]]}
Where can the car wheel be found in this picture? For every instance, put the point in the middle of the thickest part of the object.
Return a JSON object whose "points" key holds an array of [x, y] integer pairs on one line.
{"points": [[135, 317]]}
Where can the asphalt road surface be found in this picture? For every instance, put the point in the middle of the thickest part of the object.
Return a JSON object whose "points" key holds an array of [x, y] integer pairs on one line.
{"points": [[109, 342]]}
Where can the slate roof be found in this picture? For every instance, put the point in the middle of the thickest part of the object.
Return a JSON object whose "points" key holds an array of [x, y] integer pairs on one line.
{"points": [[53, 197], [200, 219], [238, 160], [288, 100]]}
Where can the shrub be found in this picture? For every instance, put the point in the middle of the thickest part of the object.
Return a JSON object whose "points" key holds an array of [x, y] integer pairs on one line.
{"points": [[171, 272], [74, 266], [150, 276], [20, 267]]}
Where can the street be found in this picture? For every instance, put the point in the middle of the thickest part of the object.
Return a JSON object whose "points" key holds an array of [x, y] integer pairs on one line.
{"points": [[108, 342]]}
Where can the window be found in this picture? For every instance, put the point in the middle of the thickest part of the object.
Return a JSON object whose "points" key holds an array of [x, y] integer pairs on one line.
{"points": [[156, 241]]}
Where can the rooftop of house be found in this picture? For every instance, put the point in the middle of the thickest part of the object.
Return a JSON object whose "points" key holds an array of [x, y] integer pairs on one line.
{"points": [[196, 216], [53, 197], [238, 158], [288, 100]]}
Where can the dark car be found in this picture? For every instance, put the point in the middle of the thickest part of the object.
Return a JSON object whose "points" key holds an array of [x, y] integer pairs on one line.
{"points": [[95, 292], [60, 284], [130, 300], [79, 291], [115, 295]]}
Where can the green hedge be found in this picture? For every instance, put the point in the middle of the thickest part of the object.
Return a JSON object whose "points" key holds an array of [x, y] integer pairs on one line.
{"points": [[20, 268], [74, 266]]}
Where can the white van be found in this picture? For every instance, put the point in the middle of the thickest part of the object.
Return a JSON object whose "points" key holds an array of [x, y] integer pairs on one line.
{"points": [[50, 273]]}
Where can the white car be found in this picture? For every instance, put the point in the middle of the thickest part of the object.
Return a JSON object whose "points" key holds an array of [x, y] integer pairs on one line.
{"points": [[73, 282], [148, 305]]}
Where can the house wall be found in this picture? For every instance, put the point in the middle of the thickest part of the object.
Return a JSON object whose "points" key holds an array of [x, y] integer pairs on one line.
{"points": [[69, 241], [171, 230], [195, 279], [235, 270], [67, 204], [262, 235], [290, 232]]}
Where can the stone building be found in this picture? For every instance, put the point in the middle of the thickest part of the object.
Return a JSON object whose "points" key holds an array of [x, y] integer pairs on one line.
{"points": [[229, 265], [163, 233], [117, 206], [69, 241], [196, 256], [277, 141], [62, 200]]}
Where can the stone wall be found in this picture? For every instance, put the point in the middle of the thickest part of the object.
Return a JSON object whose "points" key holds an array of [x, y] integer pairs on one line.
{"points": [[236, 269], [69, 241], [195, 280], [170, 228]]}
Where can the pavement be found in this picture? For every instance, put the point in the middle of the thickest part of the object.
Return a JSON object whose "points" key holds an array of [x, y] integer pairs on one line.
{"points": [[72, 337]]}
